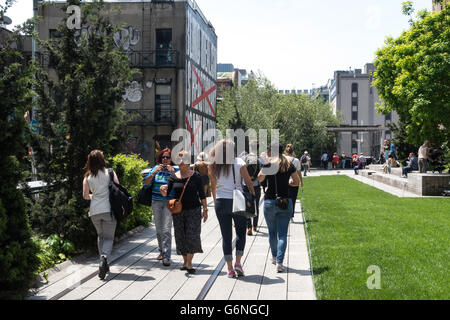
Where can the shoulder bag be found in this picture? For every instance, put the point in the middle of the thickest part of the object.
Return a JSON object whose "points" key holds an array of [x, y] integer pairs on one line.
{"points": [[175, 206], [243, 202]]}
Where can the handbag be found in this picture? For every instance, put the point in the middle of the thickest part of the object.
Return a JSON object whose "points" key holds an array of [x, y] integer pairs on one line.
{"points": [[243, 202], [281, 203], [145, 196], [174, 205]]}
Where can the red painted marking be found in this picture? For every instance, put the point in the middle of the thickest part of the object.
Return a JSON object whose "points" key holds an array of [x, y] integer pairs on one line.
{"points": [[192, 134], [205, 95]]}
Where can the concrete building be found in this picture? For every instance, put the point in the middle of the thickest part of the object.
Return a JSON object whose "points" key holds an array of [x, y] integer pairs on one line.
{"points": [[437, 6], [175, 47], [228, 76], [353, 97]]}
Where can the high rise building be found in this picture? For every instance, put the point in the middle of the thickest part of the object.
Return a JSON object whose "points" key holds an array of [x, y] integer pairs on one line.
{"points": [[351, 95]]}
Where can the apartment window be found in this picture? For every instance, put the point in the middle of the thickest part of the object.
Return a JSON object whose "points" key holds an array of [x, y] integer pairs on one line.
{"points": [[355, 87], [164, 46], [163, 103], [355, 115]]}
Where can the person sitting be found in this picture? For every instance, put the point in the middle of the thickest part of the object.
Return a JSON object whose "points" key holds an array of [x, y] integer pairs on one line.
{"points": [[390, 163], [359, 165], [412, 165], [363, 160]]}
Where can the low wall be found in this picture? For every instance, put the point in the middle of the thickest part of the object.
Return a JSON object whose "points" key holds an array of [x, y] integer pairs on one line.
{"points": [[423, 184]]}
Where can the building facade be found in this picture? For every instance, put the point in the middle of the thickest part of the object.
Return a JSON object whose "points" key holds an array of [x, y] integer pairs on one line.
{"points": [[175, 48], [438, 6], [352, 96]]}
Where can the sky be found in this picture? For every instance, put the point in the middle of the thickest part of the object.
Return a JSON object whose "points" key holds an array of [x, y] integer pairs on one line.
{"points": [[296, 44]]}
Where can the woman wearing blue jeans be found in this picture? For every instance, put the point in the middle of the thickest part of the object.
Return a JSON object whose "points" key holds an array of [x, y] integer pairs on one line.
{"points": [[277, 218], [224, 162]]}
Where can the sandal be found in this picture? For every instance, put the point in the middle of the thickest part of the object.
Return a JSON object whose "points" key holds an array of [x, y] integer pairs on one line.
{"points": [[191, 271], [160, 257], [183, 268]]}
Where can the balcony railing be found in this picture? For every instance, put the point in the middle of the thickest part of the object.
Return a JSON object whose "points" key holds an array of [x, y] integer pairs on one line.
{"points": [[151, 117], [138, 59], [154, 59]]}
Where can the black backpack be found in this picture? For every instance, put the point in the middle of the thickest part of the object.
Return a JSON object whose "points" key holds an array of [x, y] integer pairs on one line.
{"points": [[253, 166], [119, 198]]}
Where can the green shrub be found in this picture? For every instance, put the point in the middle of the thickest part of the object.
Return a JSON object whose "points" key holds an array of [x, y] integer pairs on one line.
{"points": [[53, 250], [128, 169]]}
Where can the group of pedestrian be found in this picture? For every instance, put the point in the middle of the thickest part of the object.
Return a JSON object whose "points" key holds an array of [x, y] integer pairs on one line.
{"points": [[336, 161], [220, 173]]}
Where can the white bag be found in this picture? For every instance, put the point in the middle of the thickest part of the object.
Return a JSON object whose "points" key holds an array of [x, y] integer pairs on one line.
{"points": [[238, 201]]}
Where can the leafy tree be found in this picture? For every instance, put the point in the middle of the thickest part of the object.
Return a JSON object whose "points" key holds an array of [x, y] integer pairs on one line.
{"points": [[18, 261], [413, 77], [302, 122], [78, 110], [257, 105]]}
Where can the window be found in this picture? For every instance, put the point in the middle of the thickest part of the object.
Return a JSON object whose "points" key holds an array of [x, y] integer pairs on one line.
{"points": [[355, 101], [355, 108], [163, 103], [163, 47], [355, 115], [355, 87], [388, 135]]}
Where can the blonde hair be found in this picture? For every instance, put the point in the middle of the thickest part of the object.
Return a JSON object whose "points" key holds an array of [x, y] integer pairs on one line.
{"points": [[289, 150], [222, 157]]}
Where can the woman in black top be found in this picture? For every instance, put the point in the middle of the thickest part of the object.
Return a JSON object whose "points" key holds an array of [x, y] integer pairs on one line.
{"points": [[278, 216], [187, 224]]}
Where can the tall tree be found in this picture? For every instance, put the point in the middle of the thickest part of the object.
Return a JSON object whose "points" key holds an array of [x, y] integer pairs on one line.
{"points": [[413, 76], [78, 110], [300, 120], [18, 260]]}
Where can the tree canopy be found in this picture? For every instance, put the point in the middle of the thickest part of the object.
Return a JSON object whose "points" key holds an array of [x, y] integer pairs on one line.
{"points": [[301, 121], [413, 76]]}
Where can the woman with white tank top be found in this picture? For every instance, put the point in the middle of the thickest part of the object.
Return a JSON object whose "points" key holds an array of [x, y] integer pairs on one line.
{"points": [[96, 181]]}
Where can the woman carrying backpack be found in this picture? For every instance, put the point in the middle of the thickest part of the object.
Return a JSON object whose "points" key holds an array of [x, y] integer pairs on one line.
{"points": [[277, 204], [187, 224], [223, 163], [96, 180], [156, 178]]}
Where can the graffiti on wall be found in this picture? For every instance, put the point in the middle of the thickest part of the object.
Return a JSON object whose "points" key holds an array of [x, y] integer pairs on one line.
{"points": [[126, 38], [134, 92]]}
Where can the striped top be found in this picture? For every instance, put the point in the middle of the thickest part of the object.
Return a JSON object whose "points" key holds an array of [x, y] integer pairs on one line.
{"points": [[161, 178]]}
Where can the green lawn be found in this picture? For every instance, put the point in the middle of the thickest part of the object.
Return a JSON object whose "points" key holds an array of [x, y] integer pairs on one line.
{"points": [[353, 226]]}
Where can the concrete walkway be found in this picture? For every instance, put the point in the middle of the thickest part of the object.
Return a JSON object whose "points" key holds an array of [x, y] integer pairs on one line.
{"points": [[136, 274]]}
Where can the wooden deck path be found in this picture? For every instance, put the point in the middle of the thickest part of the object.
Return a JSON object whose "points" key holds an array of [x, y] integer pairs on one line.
{"points": [[135, 274]]}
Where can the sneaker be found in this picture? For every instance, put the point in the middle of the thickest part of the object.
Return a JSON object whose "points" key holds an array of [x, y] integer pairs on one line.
{"points": [[103, 268], [231, 274], [239, 270], [274, 260], [280, 267]]}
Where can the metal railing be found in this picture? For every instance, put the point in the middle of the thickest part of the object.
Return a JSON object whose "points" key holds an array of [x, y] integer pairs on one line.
{"points": [[150, 117], [154, 59]]}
